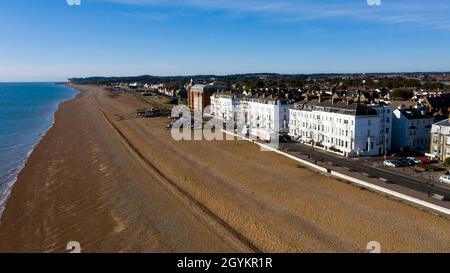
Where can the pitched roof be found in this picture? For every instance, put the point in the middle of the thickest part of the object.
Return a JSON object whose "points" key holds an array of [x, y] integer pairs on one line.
{"points": [[341, 107], [439, 102], [412, 113], [445, 122]]}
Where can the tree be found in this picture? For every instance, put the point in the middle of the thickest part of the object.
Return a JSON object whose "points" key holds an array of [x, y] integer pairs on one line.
{"points": [[281, 85], [401, 94], [260, 84], [447, 161]]}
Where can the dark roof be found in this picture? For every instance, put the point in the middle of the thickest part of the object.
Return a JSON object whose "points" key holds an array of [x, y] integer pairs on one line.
{"points": [[445, 122], [412, 113], [209, 88], [439, 102], [263, 98], [406, 103], [341, 107]]}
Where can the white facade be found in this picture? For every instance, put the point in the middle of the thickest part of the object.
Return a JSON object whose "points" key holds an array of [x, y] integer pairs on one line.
{"points": [[223, 106], [440, 140], [267, 117], [411, 129], [165, 89], [353, 133], [258, 117]]}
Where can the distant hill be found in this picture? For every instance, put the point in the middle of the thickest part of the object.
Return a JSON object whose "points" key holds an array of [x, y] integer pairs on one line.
{"points": [[254, 80]]}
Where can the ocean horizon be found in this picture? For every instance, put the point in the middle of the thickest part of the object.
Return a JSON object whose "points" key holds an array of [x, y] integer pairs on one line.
{"points": [[26, 114]]}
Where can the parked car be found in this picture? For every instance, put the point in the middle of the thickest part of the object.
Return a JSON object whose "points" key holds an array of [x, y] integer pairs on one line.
{"points": [[403, 162], [389, 163], [406, 161], [412, 162], [415, 160], [424, 160], [445, 179], [397, 163]]}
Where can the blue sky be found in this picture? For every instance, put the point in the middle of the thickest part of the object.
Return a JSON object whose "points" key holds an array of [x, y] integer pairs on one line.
{"points": [[48, 40]]}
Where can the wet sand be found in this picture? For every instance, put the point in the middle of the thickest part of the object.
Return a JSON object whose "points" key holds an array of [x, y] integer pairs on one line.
{"points": [[117, 183]]}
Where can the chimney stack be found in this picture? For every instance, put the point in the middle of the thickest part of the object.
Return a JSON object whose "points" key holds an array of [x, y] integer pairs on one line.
{"points": [[334, 99]]}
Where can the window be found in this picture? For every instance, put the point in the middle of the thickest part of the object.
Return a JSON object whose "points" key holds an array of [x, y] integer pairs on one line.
{"points": [[370, 122]]}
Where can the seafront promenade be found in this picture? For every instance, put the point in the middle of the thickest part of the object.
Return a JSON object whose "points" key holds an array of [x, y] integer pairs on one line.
{"points": [[115, 182]]}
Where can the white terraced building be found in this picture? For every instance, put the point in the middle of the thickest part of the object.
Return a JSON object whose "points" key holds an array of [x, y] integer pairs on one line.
{"points": [[223, 105], [261, 117], [350, 128], [440, 140], [265, 117], [411, 128]]}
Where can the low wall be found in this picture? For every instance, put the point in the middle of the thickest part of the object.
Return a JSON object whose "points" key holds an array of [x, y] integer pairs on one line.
{"points": [[353, 180]]}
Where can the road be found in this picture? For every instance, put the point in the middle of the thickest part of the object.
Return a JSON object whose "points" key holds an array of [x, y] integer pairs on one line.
{"points": [[407, 182]]}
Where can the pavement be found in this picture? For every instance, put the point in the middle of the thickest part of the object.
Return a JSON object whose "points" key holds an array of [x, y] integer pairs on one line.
{"points": [[355, 164]]}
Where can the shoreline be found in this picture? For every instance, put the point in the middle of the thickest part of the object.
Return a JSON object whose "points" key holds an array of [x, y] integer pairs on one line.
{"points": [[16, 237], [13, 176], [117, 183]]}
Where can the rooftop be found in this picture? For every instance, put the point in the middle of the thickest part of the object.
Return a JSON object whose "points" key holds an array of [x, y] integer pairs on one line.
{"points": [[212, 87], [339, 107], [413, 113], [442, 101], [444, 123]]}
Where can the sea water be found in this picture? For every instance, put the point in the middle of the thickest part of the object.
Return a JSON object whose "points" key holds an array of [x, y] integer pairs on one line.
{"points": [[26, 113]]}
